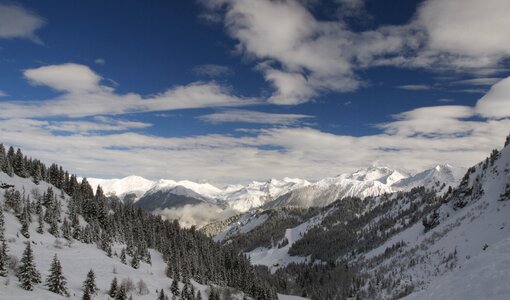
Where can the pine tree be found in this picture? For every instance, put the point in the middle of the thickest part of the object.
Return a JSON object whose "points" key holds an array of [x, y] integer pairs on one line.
{"points": [[3, 245], [199, 295], [40, 220], [86, 295], [19, 164], [123, 255], [135, 262], [25, 223], [3, 259], [2, 224], [175, 288], [27, 272], [113, 288], [162, 295], [121, 293], [89, 285], [56, 282]]}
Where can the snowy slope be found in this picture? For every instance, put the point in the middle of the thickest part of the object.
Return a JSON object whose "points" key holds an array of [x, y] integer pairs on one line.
{"points": [[276, 257], [466, 255], [78, 258], [433, 178]]}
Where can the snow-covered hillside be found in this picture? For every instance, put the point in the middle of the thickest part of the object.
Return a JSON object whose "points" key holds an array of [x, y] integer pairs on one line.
{"points": [[77, 257], [465, 255]]}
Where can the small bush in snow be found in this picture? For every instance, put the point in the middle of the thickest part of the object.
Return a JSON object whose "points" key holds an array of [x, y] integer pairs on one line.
{"points": [[142, 288], [58, 244], [128, 284], [13, 262]]}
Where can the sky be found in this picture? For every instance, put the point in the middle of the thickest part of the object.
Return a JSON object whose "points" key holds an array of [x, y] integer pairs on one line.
{"points": [[230, 91]]}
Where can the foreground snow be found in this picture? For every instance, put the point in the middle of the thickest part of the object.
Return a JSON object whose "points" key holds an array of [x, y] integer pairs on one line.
{"points": [[485, 276]]}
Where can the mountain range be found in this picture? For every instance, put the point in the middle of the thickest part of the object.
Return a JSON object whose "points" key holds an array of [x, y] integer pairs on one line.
{"points": [[373, 181]]}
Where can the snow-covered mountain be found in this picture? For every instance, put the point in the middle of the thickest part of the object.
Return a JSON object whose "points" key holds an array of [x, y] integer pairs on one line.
{"points": [[433, 178], [121, 187], [369, 182], [276, 193]]}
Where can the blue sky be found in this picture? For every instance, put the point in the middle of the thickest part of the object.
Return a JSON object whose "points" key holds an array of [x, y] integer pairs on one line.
{"points": [[231, 91]]}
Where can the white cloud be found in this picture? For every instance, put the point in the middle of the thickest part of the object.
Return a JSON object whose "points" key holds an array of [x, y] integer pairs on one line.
{"points": [[496, 103], [254, 117], [69, 77], [212, 70], [17, 22], [302, 56], [436, 121], [415, 87], [99, 61], [83, 95], [2, 93], [415, 139], [467, 27]]}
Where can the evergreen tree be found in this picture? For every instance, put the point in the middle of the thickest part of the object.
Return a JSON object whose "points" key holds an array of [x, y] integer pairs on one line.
{"points": [[113, 288], [123, 256], [3, 245], [162, 295], [3, 259], [89, 285], [56, 282], [135, 262], [199, 296], [2, 224], [40, 220], [66, 229], [86, 295], [25, 223], [19, 165], [121, 293], [174, 288], [27, 272]]}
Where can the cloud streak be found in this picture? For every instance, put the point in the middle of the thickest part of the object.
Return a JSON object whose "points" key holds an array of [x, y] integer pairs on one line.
{"points": [[254, 117]]}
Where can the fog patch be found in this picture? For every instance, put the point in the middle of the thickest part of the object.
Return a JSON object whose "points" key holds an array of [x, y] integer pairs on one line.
{"points": [[198, 215]]}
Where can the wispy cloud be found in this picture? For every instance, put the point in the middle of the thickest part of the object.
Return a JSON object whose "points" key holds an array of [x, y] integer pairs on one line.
{"points": [[18, 22], [416, 87], [100, 61], [254, 117], [477, 81]]}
